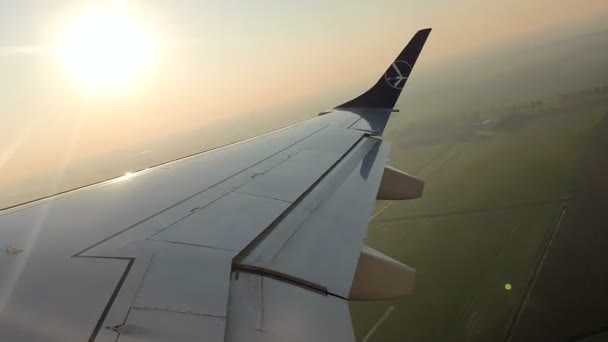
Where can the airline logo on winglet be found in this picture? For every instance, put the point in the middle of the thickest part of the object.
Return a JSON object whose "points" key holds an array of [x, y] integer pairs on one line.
{"points": [[385, 92], [397, 74]]}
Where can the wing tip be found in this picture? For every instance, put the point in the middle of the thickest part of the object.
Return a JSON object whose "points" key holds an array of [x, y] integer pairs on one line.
{"points": [[386, 91]]}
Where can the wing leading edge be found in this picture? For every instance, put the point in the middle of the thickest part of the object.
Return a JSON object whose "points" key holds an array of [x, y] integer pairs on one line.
{"points": [[261, 240]]}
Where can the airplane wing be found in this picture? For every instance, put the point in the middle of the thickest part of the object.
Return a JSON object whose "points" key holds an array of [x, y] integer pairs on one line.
{"points": [[261, 240]]}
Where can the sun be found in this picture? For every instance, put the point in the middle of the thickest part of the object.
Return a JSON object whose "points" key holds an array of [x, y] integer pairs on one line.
{"points": [[105, 49]]}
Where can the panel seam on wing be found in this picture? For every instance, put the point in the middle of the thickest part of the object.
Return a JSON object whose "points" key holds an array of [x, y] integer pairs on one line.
{"points": [[199, 192], [262, 196], [286, 278], [266, 232]]}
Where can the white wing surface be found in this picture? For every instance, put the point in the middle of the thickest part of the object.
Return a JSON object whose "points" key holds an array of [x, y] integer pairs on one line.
{"points": [[261, 240]]}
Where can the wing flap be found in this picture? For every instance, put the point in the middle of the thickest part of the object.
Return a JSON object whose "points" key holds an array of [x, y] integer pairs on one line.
{"points": [[320, 240], [265, 309]]}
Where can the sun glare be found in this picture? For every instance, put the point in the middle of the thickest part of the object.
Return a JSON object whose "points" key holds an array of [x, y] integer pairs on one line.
{"points": [[105, 49]]}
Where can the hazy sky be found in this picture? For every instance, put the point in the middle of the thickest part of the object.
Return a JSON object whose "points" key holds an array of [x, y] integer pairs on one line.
{"points": [[223, 60]]}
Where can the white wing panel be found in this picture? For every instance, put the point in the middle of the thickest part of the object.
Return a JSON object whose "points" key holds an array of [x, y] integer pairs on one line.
{"points": [[47, 291], [230, 223], [167, 326], [289, 180], [186, 279]]}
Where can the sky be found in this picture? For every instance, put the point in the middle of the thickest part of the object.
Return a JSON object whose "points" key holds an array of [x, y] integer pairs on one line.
{"points": [[244, 66]]}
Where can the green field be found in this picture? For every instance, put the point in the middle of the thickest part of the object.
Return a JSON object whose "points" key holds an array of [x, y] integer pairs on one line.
{"points": [[476, 236]]}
